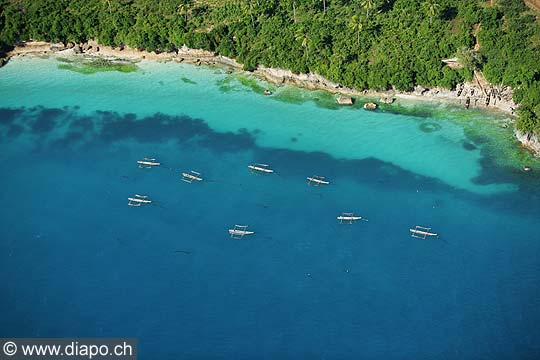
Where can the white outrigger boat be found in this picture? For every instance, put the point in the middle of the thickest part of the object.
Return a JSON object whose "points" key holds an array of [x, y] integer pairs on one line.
{"points": [[349, 217], [317, 180], [260, 168], [147, 163], [191, 176], [421, 232], [240, 231], [138, 200]]}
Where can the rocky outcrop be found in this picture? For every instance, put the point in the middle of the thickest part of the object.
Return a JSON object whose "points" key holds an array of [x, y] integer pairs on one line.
{"points": [[77, 49], [370, 106], [387, 99], [529, 141], [344, 100], [308, 81]]}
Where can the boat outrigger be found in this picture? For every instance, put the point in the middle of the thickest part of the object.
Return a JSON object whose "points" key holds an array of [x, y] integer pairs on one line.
{"points": [[421, 232], [191, 176], [147, 163], [317, 180], [260, 168], [138, 200], [349, 218], [240, 231]]}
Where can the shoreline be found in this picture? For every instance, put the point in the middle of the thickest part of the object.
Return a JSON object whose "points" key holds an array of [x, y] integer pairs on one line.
{"points": [[312, 81], [494, 99]]}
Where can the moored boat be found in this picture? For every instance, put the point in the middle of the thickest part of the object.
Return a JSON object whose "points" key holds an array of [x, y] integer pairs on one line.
{"points": [[263, 168]]}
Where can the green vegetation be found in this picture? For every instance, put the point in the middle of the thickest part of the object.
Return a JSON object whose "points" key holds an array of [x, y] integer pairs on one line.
{"points": [[372, 44]]}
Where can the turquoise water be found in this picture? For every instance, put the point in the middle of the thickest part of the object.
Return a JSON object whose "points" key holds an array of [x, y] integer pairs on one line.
{"points": [[79, 262]]}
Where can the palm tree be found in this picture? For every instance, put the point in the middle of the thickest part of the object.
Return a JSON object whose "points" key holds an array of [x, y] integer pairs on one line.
{"points": [[432, 8], [356, 25], [303, 37], [251, 10], [368, 5], [183, 9], [109, 5]]}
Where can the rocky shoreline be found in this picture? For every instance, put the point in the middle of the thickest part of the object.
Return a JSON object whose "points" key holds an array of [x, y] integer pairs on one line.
{"points": [[530, 141], [477, 94]]}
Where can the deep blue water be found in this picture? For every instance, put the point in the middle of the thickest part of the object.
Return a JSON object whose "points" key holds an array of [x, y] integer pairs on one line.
{"points": [[75, 261]]}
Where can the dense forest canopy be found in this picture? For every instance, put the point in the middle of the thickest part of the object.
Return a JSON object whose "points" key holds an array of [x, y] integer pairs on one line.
{"points": [[372, 44]]}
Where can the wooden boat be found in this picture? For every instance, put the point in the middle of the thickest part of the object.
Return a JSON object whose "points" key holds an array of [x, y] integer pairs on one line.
{"points": [[191, 176], [349, 217], [317, 180], [262, 168], [240, 231], [147, 163], [421, 232], [138, 200]]}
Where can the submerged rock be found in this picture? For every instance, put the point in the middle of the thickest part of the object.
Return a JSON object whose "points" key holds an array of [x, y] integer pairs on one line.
{"points": [[429, 127]]}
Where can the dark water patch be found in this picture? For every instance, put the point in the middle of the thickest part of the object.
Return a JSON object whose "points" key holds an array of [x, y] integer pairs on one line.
{"points": [[95, 65], [475, 137], [106, 127], [253, 84], [160, 127], [46, 120], [228, 142], [320, 98], [372, 171], [225, 85], [429, 127], [70, 140], [7, 116], [83, 123], [420, 112], [14, 131], [188, 80], [65, 60], [468, 146]]}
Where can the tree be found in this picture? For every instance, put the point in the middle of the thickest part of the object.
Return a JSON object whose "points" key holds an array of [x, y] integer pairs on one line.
{"points": [[356, 25], [302, 37], [368, 5], [432, 8]]}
